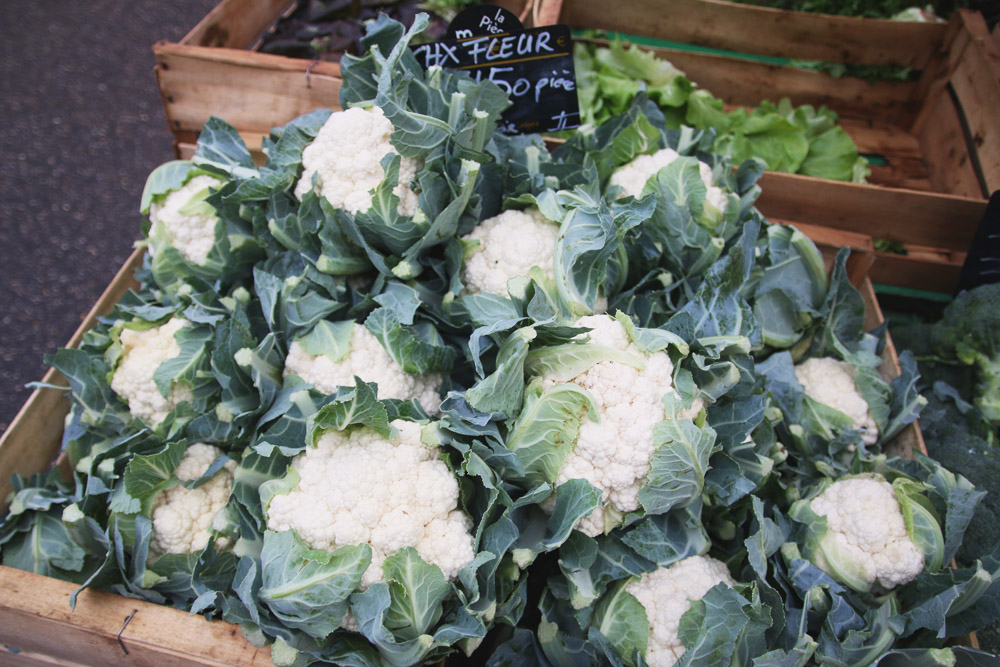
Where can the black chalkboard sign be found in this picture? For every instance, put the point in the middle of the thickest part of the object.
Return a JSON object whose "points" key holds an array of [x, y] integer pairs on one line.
{"points": [[982, 264], [534, 67]]}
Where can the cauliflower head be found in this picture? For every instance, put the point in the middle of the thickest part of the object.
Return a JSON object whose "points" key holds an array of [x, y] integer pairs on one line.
{"points": [[358, 487], [188, 226], [866, 539], [182, 517], [346, 159], [614, 453], [367, 359], [831, 382], [634, 176], [509, 245], [142, 353], [666, 594]]}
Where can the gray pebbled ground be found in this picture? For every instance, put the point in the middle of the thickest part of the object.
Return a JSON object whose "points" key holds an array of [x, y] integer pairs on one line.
{"points": [[81, 126]]}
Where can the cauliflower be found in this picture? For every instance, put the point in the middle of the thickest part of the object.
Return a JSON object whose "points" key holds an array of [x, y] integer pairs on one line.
{"points": [[866, 536], [509, 245], [346, 158], [368, 360], [634, 176], [831, 382], [666, 594], [142, 353], [614, 453], [191, 232], [357, 487], [182, 517]]}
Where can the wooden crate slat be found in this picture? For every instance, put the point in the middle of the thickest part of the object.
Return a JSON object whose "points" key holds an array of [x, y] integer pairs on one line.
{"points": [[931, 271], [235, 24], [923, 218], [939, 130], [881, 138], [909, 173], [35, 617], [763, 31], [976, 83], [197, 83]]}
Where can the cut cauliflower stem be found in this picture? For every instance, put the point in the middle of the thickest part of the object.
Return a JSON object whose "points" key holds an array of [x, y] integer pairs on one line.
{"points": [[368, 360], [182, 517], [864, 518], [192, 235], [358, 487], [831, 382], [142, 353], [614, 453], [634, 175], [666, 594], [346, 158], [509, 245]]}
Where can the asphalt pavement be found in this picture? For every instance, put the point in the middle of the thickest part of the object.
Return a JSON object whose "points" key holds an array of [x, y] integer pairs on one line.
{"points": [[81, 126]]}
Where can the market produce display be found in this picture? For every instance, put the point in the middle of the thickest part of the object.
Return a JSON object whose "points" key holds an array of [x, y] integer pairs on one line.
{"points": [[798, 140], [319, 418]]}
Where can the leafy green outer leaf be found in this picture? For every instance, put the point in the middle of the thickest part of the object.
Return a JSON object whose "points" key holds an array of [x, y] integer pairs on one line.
{"points": [[332, 339], [667, 538], [562, 363], [575, 500], [906, 402], [678, 466], [166, 178], [712, 626], [547, 429], [417, 590], [503, 389], [145, 476], [622, 620], [417, 349], [45, 548], [193, 357], [763, 543], [309, 590], [922, 523], [357, 407], [221, 149]]}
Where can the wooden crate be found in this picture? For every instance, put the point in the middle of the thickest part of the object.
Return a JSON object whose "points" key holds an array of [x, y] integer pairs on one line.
{"points": [[35, 618], [212, 72], [940, 136]]}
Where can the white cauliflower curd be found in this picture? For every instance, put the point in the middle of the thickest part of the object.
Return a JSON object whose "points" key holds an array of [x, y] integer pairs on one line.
{"points": [[346, 158], [191, 233], [182, 517], [367, 359], [358, 487], [866, 533], [614, 454], [831, 382], [634, 176], [666, 594], [142, 353], [509, 244]]}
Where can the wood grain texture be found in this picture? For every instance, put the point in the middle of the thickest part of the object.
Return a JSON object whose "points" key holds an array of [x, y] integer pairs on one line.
{"points": [[939, 130], [235, 24], [763, 31], [933, 271], [976, 83], [36, 618], [921, 218], [251, 91]]}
